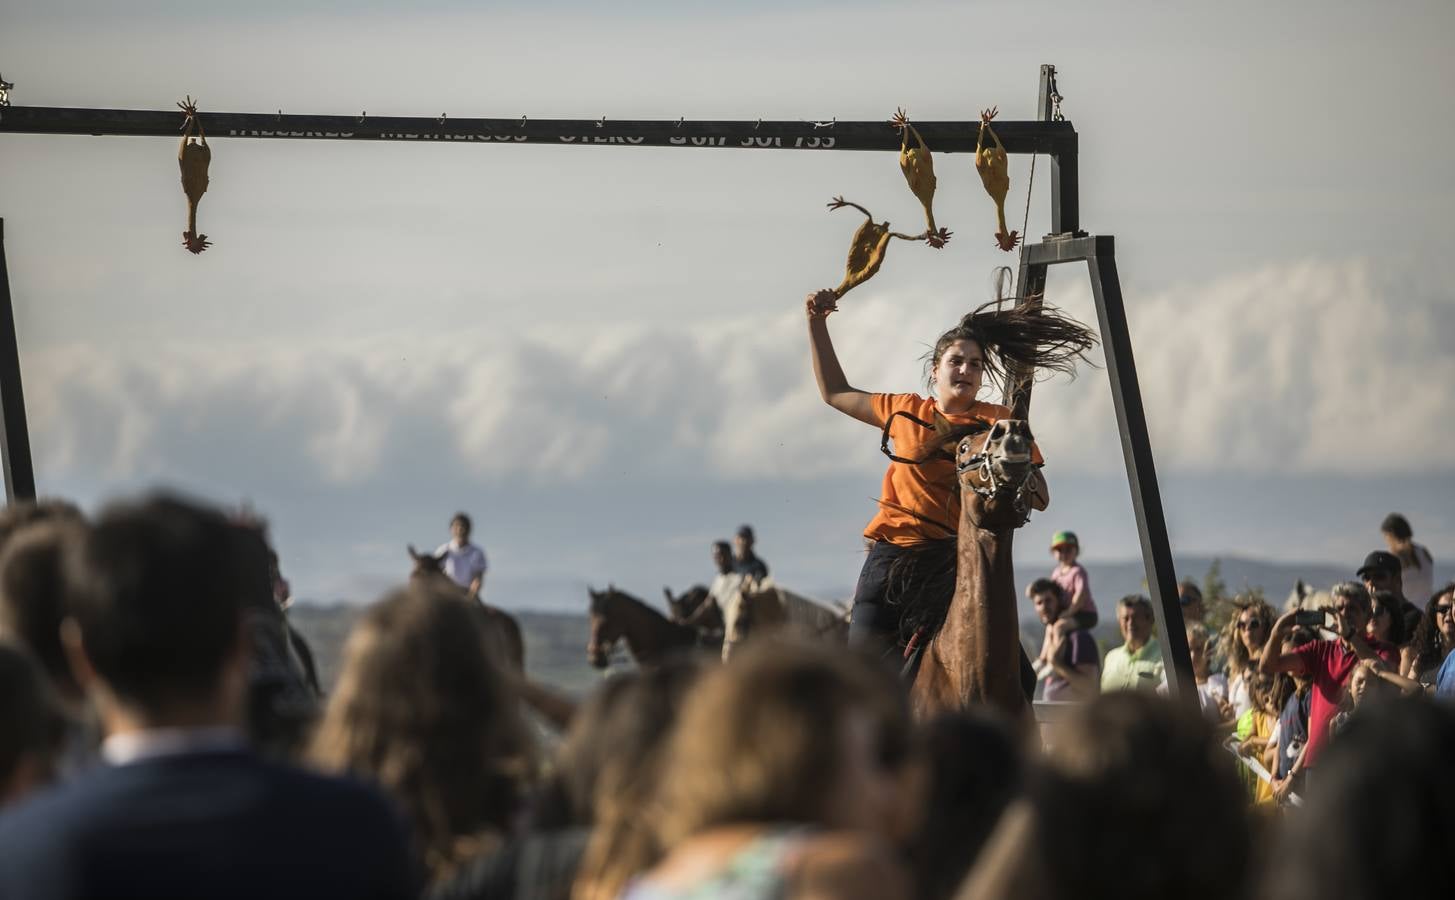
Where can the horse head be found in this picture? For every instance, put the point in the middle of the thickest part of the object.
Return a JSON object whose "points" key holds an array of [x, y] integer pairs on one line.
{"points": [[996, 470], [680, 608], [758, 606], [425, 564], [605, 629]]}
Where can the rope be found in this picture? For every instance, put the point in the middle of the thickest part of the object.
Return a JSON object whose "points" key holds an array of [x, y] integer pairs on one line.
{"points": [[1030, 186]]}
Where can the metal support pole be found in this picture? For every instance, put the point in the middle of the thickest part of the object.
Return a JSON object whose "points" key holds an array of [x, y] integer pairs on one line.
{"points": [[1141, 472], [14, 433]]}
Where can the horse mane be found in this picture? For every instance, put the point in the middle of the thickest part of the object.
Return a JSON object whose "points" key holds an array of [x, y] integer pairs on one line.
{"points": [[921, 584], [632, 599]]}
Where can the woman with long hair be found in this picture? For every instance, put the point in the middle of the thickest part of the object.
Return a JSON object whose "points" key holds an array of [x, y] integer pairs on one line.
{"points": [[1433, 639], [1246, 633], [912, 536], [1387, 623], [423, 711], [1417, 567], [785, 778]]}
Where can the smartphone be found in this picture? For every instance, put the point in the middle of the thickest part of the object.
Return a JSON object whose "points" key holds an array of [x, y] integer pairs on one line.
{"points": [[1310, 618]]}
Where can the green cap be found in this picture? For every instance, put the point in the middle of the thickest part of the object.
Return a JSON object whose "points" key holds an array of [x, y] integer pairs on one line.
{"points": [[1064, 537]]}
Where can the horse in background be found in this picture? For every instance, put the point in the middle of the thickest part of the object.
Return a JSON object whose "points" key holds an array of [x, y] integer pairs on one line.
{"points": [[1304, 597], [764, 606], [504, 630], [650, 636], [688, 609]]}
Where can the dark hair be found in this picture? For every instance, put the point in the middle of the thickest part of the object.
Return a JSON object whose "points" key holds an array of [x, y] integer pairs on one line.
{"points": [[1390, 603], [1384, 811], [464, 520], [1018, 339], [1427, 637], [1397, 526], [158, 588], [1189, 588], [975, 771], [32, 595], [723, 547], [1138, 602], [745, 532], [1119, 759], [33, 722], [1047, 586]]}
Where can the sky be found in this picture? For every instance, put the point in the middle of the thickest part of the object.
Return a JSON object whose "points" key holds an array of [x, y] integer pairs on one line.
{"points": [[599, 352]]}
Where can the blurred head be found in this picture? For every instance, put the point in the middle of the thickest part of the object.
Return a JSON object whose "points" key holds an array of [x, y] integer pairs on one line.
{"points": [[1381, 572], [975, 769], [1397, 532], [1351, 608], [1382, 820], [722, 556], [1121, 757], [1134, 618], [1386, 622], [1190, 596], [24, 513], [34, 729], [743, 542], [460, 527], [1048, 598], [156, 592], [789, 732], [1065, 547], [1197, 640], [609, 767], [32, 597], [422, 710]]}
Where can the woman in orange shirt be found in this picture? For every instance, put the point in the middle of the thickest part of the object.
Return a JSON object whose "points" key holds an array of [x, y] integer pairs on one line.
{"points": [[919, 508]]}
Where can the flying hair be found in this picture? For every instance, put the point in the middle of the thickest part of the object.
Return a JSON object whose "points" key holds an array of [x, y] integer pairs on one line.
{"points": [[1030, 336]]}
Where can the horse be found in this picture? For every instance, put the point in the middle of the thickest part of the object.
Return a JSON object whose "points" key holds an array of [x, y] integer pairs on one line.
{"points": [[500, 625], [650, 636], [763, 605], [974, 658], [710, 627]]}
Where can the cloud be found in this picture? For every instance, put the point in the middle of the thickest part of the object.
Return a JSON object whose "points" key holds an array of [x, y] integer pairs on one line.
{"points": [[1306, 368]]}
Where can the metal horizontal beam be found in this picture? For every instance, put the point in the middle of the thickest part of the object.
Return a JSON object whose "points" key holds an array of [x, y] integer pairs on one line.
{"points": [[942, 137], [1054, 250]]}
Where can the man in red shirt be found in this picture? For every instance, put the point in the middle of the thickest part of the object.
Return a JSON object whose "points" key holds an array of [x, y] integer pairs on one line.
{"points": [[1328, 663]]}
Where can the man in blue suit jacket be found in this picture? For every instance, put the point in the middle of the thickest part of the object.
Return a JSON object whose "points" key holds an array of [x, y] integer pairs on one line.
{"points": [[156, 593]]}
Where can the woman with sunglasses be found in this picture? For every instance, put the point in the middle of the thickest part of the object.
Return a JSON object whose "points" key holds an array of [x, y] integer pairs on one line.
{"points": [[1433, 639], [1247, 633], [912, 536]]}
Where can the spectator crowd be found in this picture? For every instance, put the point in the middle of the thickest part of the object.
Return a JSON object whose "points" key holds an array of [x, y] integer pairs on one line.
{"points": [[163, 739]]}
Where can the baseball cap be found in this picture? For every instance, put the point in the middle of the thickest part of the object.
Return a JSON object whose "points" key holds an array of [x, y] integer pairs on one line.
{"points": [[1380, 561], [1064, 537]]}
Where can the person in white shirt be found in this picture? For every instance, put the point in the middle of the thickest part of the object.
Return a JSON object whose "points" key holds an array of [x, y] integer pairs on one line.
{"points": [[464, 562]]}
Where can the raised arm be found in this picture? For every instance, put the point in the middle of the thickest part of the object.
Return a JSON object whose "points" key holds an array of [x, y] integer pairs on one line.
{"points": [[832, 385], [1274, 660]]}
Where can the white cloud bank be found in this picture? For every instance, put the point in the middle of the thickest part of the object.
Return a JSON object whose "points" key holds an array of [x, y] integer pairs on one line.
{"points": [[1308, 368]]}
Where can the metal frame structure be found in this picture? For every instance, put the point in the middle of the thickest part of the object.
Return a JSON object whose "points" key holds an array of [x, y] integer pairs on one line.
{"points": [[1049, 135]]}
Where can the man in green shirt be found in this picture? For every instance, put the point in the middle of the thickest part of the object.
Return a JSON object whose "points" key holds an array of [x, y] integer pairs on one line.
{"points": [[1136, 664]]}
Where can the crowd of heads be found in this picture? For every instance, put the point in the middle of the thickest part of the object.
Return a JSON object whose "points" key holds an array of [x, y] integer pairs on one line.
{"points": [[794, 770]]}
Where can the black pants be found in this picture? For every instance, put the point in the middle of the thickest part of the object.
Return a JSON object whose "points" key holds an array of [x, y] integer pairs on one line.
{"points": [[873, 622]]}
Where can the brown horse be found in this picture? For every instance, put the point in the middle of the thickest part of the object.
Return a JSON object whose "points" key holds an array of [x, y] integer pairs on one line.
{"points": [[650, 636], [684, 611], [975, 657], [499, 623]]}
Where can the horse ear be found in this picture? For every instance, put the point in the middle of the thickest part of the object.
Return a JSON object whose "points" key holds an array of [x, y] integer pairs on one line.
{"points": [[413, 554], [667, 592], [1301, 589]]}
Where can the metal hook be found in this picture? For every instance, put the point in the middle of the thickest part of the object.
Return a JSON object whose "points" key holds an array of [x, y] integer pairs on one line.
{"points": [[759, 125], [279, 117], [440, 121], [602, 123], [522, 121], [680, 121], [361, 117], [829, 124]]}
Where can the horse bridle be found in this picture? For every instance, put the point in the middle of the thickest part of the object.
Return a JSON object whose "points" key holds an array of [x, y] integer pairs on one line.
{"points": [[990, 483]]}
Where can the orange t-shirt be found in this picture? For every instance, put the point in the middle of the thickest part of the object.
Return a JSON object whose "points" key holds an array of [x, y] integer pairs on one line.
{"points": [[913, 494]]}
